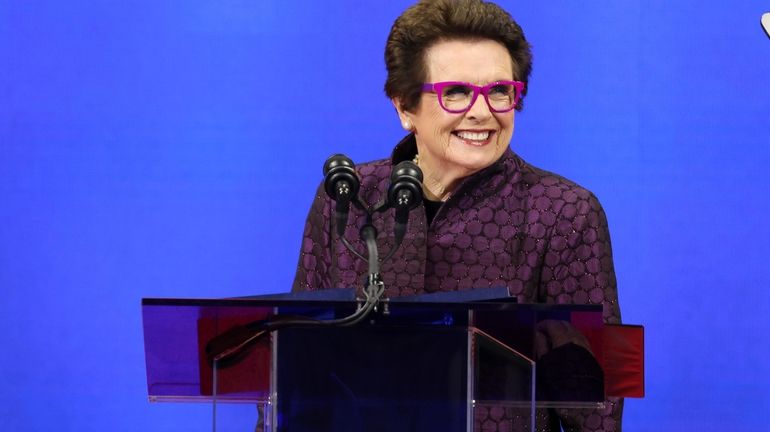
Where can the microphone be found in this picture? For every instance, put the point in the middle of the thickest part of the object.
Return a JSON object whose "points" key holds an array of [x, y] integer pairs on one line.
{"points": [[766, 23], [404, 194], [341, 184]]}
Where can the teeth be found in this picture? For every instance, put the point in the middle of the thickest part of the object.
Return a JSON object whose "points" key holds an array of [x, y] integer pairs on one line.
{"points": [[474, 136]]}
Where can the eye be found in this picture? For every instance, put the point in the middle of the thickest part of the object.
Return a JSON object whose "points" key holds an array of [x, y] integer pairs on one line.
{"points": [[457, 92], [501, 90]]}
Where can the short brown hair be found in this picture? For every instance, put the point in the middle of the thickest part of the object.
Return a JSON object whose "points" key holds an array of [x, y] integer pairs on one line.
{"points": [[431, 21]]}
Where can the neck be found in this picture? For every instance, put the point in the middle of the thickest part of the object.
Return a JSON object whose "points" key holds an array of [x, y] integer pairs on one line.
{"points": [[438, 182], [434, 190]]}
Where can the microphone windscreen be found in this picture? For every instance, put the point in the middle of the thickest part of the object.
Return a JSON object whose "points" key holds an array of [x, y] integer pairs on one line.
{"points": [[406, 168], [340, 179], [406, 186], [337, 161]]}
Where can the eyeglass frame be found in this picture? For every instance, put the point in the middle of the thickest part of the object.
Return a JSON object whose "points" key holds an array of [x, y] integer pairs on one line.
{"points": [[437, 87]]}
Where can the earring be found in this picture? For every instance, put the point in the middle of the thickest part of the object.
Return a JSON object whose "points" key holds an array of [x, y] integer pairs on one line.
{"points": [[407, 125]]}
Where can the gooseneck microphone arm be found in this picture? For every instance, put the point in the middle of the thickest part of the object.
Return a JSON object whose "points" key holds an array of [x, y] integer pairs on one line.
{"points": [[373, 280]]}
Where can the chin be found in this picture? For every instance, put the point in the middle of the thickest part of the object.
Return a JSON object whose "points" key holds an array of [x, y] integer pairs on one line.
{"points": [[477, 160], [472, 165]]}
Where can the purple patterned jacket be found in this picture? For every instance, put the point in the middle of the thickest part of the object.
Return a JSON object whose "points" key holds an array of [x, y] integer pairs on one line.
{"points": [[511, 224]]}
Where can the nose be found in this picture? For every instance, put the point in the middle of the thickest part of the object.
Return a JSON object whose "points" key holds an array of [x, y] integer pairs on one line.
{"points": [[479, 110]]}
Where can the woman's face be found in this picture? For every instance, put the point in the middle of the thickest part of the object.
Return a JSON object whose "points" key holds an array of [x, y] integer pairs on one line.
{"points": [[458, 145]]}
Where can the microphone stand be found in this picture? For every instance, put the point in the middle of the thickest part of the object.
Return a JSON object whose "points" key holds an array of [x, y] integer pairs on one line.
{"points": [[404, 194], [374, 286]]}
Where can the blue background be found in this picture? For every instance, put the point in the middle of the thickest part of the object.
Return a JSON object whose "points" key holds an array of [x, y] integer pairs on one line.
{"points": [[171, 149]]}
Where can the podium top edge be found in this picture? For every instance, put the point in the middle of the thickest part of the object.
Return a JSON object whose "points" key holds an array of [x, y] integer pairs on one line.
{"points": [[480, 305]]}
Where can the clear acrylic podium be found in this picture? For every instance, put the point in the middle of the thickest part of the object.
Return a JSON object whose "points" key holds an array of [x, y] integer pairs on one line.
{"points": [[413, 366]]}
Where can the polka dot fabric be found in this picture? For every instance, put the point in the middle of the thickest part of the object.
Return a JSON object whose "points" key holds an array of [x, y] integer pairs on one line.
{"points": [[511, 224]]}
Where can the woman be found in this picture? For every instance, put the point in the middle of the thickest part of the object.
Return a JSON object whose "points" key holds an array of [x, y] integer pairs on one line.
{"points": [[457, 72]]}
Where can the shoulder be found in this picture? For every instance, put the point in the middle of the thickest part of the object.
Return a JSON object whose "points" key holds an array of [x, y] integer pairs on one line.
{"points": [[548, 191]]}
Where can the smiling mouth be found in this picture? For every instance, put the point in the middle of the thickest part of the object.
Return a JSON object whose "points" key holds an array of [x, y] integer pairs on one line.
{"points": [[473, 138]]}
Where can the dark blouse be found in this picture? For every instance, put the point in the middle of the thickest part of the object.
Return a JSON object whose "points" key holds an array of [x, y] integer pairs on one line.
{"points": [[431, 208]]}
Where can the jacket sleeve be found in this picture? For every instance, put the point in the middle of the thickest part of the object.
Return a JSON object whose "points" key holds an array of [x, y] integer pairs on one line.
{"points": [[579, 269], [315, 263]]}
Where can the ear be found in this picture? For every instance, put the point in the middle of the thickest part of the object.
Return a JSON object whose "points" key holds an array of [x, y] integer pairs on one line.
{"points": [[404, 116]]}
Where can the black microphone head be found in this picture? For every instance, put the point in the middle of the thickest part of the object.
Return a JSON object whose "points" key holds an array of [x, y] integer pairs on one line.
{"points": [[337, 161], [340, 177], [406, 168], [405, 190]]}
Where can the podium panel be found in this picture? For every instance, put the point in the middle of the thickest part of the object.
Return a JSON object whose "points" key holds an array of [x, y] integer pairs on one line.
{"points": [[372, 378]]}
